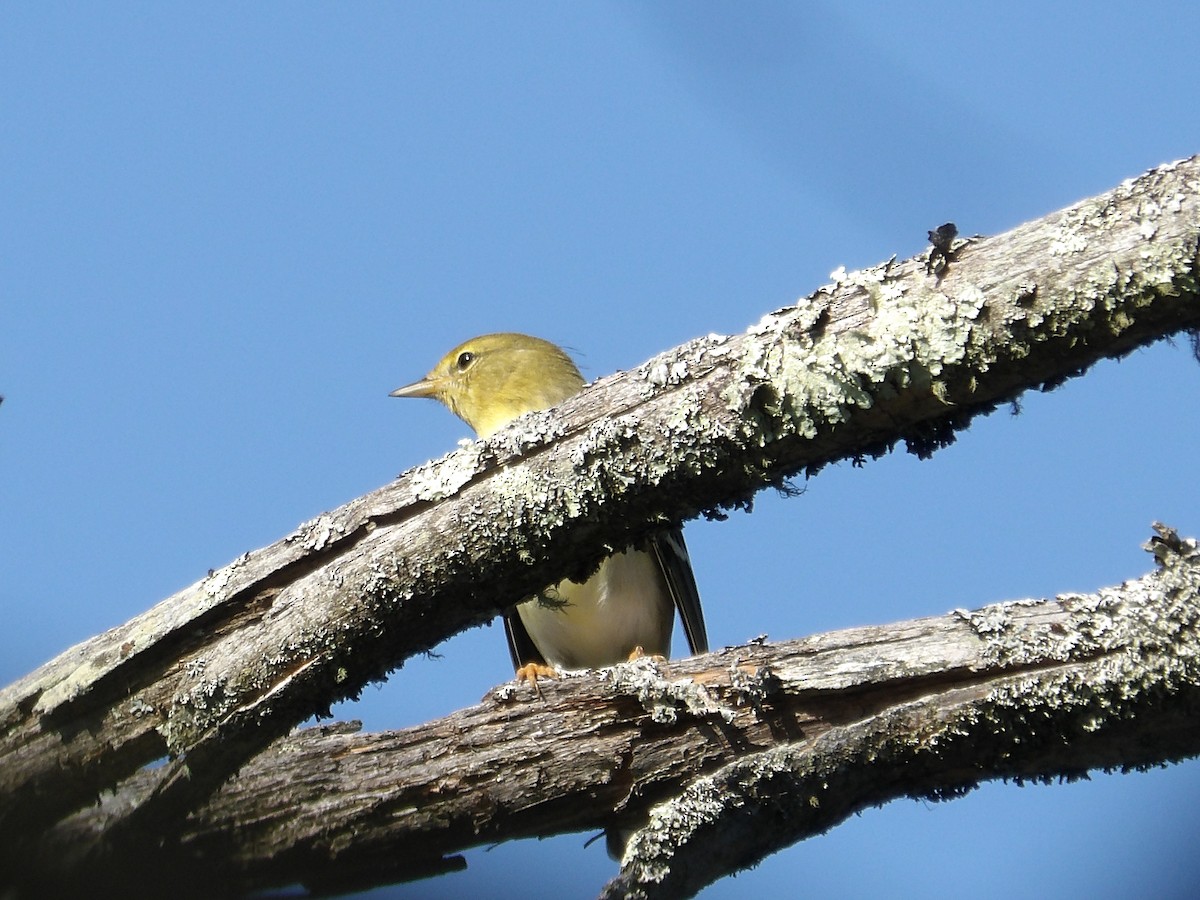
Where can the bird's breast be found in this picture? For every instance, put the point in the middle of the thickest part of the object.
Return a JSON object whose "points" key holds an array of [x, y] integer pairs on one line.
{"points": [[624, 605]]}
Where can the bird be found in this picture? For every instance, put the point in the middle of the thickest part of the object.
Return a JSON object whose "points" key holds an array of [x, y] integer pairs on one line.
{"points": [[623, 610]]}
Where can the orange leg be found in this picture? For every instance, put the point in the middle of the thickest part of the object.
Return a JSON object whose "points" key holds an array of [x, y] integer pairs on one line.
{"points": [[638, 653], [531, 672]]}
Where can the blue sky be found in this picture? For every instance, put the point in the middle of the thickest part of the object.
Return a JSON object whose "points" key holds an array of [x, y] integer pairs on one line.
{"points": [[229, 230]]}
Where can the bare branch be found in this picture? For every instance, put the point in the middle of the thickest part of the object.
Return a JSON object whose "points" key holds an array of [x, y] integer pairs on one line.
{"points": [[744, 751], [215, 673], [1084, 682]]}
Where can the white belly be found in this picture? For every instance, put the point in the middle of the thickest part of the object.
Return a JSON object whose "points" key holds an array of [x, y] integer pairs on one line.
{"points": [[623, 606]]}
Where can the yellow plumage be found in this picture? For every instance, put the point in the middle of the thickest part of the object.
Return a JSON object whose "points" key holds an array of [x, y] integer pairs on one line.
{"points": [[626, 607]]}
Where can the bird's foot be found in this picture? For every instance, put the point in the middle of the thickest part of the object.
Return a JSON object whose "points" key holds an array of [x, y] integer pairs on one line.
{"points": [[639, 653], [531, 672]]}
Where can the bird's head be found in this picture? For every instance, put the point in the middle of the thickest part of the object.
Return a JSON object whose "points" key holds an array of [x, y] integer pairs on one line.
{"points": [[490, 380]]}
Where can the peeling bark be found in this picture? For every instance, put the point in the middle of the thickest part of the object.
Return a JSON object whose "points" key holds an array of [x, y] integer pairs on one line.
{"points": [[737, 753]]}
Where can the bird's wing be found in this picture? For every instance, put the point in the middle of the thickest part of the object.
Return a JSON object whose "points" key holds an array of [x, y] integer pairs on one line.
{"points": [[673, 559], [520, 645]]}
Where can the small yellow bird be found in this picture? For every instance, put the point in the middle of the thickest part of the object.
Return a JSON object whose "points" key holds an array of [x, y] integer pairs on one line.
{"points": [[625, 609]]}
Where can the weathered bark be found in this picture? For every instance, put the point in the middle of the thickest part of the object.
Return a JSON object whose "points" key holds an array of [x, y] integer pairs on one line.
{"points": [[749, 748], [214, 674]]}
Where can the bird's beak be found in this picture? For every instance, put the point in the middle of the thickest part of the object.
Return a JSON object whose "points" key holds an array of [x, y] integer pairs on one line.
{"points": [[423, 388]]}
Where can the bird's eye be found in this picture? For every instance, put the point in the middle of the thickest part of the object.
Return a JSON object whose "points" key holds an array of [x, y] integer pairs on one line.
{"points": [[464, 359]]}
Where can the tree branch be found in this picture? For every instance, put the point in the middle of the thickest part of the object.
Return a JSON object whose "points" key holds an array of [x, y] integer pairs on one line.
{"points": [[215, 673], [740, 752]]}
